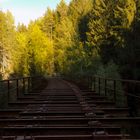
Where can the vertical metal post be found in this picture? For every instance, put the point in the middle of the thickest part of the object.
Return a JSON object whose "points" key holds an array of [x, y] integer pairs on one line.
{"points": [[32, 80], [31, 83], [115, 91], [105, 87], [90, 82], [23, 88], [99, 82], [17, 87], [28, 84], [8, 92], [95, 84]]}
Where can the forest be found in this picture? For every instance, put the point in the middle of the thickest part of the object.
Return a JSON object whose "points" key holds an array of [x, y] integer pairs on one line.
{"points": [[86, 37]]}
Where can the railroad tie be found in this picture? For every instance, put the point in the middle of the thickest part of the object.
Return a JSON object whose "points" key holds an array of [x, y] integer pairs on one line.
{"points": [[63, 111]]}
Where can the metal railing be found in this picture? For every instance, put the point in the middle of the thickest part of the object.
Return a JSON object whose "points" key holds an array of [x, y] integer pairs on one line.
{"points": [[11, 89], [122, 92]]}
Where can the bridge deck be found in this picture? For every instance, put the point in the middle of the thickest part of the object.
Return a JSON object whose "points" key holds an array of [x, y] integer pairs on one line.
{"points": [[62, 111]]}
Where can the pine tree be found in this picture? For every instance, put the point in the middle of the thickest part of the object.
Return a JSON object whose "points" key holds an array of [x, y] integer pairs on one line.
{"points": [[62, 10], [7, 42], [40, 51], [48, 23]]}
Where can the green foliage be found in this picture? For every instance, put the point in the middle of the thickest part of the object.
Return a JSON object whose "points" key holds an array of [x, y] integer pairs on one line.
{"points": [[84, 38], [62, 10], [47, 23], [78, 9], [111, 71], [87, 37], [7, 42], [40, 51], [20, 61], [65, 40]]}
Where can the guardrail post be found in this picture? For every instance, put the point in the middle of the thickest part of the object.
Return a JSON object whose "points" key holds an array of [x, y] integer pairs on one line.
{"points": [[114, 90], [17, 87], [99, 83], [23, 88], [105, 87], [90, 82], [32, 80], [28, 84], [94, 80], [8, 92]]}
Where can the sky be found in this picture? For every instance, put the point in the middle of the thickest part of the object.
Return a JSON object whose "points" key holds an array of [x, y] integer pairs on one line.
{"points": [[26, 10]]}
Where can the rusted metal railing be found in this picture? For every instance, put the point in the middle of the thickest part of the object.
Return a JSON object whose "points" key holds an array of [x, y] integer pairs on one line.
{"points": [[122, 92], [11, 89]]}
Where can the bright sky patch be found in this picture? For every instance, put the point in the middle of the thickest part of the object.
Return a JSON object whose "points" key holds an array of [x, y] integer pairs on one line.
{"points": [[26, 10]]}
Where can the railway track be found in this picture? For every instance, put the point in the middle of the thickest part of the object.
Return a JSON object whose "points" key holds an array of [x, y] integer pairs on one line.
{"points": [[62, 111]]}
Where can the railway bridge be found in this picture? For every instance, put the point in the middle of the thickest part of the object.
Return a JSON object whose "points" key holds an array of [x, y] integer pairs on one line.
{"points": [[56, 109]]}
